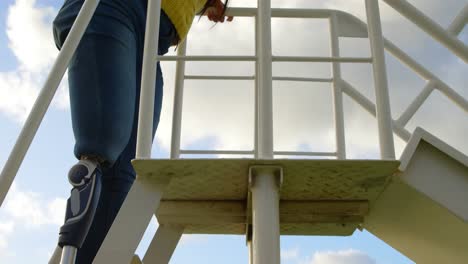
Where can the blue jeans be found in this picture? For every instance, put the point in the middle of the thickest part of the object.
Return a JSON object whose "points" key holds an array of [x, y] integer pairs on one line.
{"points": [[104, 79]]}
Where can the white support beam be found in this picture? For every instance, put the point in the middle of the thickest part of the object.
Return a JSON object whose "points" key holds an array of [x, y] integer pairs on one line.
{"points": [[264, 186], [163, 244], [130, 224], [265, 190]]}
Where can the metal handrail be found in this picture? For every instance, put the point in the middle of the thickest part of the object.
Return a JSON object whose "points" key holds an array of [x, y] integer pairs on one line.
{"points": [[397, 125], [40, 107]]}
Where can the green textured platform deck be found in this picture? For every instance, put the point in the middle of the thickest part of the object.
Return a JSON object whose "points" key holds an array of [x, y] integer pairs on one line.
{"points": [[318, 197]]}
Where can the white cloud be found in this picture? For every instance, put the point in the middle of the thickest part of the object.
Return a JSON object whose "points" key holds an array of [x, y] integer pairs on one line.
{"points": [[193, 239], [349, 256], [27, 24], [26, 211], [289, 254], [6, 228], [32, 210], [30, 39]]}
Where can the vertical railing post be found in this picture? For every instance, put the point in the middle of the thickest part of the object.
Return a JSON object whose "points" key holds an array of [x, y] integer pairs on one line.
{"points": [[264, 184], [337, 92], [384, 118], [148, 79], [178, 102]]}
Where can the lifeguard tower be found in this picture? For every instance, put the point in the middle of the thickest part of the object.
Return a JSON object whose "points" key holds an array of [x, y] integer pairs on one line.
{"points": [[417, 203]]}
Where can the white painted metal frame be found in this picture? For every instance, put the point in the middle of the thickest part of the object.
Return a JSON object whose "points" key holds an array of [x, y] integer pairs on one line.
{"points": [[147, 196]]}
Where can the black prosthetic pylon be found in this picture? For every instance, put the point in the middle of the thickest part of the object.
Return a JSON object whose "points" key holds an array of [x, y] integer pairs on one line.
{"points": [[85, 177]]}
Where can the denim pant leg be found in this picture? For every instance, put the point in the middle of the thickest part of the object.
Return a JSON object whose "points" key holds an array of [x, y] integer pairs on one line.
{"points": [[102, 81], [118, 179]]}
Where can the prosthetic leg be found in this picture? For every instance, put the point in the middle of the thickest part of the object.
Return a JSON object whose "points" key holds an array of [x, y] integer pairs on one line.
{"points": [[85, 177]]}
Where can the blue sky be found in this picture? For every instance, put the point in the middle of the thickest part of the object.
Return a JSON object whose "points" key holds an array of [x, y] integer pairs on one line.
{"points": [[31, 215]]}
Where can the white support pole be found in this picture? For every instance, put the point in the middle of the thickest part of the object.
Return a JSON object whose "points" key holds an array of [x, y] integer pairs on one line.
{"points": [[56, 256], [163, 244], [337, 92], [265, 82], [178, 102], [264, 187], [68, 255], [144, 198], [384, 118], [45, 97], [430, 27], [249, 245]]}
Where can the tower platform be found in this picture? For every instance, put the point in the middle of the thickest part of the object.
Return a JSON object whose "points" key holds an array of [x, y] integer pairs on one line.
{"points": [[317, 197]]}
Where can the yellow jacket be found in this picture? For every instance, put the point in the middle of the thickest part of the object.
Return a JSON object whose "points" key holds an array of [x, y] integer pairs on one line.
{"points": [[182, 13]]}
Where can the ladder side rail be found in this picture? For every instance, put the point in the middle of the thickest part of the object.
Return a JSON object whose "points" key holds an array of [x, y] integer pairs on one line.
{"points": [[45, 97], [430, 27]]}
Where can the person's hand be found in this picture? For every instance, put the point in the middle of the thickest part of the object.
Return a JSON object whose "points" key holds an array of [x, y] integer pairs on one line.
{"points": [[215, 12]]}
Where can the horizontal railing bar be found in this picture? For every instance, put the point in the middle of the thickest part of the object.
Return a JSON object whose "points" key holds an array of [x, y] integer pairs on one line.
{"points": [[219, 77], [303, 79], [206, 58], [321, 59], [251, 152], [282, 12], [250, 78], [216, 152], [305, 153], [275, 59]]}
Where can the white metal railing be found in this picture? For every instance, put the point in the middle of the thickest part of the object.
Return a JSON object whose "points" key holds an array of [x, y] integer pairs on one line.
{"points": [[341, 24], [338, 21]]}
